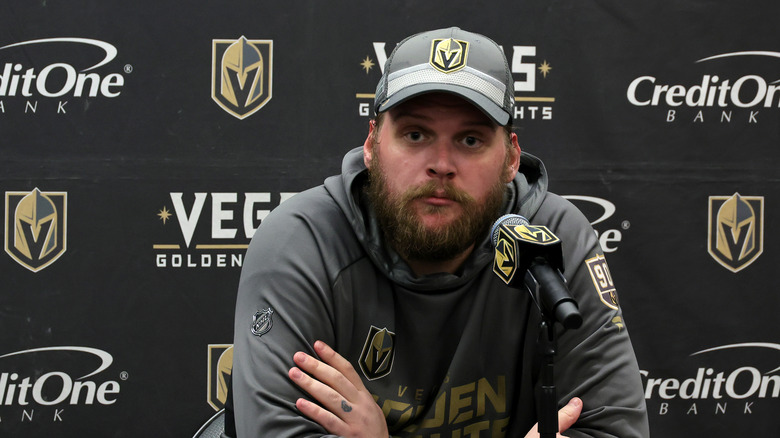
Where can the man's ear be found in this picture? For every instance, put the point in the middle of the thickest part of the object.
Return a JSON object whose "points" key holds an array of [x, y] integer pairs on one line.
{"points": [[368, 145], [514, 158]]}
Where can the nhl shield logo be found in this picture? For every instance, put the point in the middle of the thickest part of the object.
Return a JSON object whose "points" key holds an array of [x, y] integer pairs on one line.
{"points": [[35, 227], [241, 75], [449, 55], [736, 230], [262, 321], [376, 359]]}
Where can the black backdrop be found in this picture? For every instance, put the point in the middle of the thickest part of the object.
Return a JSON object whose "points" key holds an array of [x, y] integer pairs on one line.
{"points": [[117, 320]]}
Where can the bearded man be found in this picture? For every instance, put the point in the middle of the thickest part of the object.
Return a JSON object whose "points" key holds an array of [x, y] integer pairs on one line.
{"points": [[381, 315]]}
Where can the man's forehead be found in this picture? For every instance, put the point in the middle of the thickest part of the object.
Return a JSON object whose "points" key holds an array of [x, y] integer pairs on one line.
{"points": [[420, 106]]}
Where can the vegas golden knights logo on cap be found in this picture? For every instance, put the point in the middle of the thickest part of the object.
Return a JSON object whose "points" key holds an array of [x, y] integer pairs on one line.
{"points": [[220, 369], [736, 230], [35, 227], [241, 75], [376, 359], [449, 55]]}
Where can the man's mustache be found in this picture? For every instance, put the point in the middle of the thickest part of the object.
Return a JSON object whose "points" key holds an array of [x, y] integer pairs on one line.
{"points": [[436, 189]]}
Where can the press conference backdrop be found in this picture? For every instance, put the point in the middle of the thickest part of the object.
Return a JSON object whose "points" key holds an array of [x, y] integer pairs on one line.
{"points": [[137, 163]]}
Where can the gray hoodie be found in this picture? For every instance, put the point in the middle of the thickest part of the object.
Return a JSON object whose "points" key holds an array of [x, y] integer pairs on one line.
{"points": [[444, 355]]}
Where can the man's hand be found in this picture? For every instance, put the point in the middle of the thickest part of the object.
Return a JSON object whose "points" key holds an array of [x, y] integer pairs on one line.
{"points": [[566, 417], [348, 409]]}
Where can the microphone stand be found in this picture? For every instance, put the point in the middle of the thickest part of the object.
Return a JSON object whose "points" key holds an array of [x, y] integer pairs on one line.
{"points": [[548, 399], [567, 314], [564, 310], [529, 257]]}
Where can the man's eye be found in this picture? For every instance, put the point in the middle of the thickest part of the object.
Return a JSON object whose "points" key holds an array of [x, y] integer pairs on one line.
{"points": [[471, 141], [414, 136]]}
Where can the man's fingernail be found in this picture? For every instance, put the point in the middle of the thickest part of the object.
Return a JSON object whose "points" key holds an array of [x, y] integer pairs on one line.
{"points": [[575, 402]]}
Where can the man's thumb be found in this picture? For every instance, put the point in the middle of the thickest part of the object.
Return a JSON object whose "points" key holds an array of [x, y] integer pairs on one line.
{"points": [[569, 414]]}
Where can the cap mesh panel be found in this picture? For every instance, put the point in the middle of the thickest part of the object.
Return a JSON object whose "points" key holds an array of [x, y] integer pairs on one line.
{"points": [[463, 78]]}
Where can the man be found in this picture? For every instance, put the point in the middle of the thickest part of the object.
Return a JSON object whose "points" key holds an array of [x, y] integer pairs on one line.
{"points": [[367, 306]]}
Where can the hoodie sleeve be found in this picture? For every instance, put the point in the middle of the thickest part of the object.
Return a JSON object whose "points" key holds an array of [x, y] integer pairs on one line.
{"points": [[595, 362], [284, 304]]}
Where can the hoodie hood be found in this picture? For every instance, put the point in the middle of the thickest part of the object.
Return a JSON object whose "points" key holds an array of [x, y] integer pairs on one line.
{"points": [[524, 195]]}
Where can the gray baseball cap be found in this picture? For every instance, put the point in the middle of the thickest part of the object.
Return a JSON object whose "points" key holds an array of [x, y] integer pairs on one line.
{"points": [[450, 60]]}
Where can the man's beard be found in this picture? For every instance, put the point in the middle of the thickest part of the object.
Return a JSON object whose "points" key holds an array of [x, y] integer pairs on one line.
{"points": [[406, 233]]}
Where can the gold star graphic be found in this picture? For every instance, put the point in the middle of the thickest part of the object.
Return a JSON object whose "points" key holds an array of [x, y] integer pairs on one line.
{"points": [[367, 64], [164, 214], [545, 68]]}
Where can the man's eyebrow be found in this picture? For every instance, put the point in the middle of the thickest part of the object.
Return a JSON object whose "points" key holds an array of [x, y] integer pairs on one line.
{"points": [[411, 115], [487, 123], [483, 122]]}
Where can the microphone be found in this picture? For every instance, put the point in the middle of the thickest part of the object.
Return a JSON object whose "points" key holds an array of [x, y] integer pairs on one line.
{"points": [[530, 256]]}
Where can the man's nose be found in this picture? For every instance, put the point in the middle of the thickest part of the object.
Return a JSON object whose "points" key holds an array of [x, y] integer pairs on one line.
{"points": [[442, 164]]}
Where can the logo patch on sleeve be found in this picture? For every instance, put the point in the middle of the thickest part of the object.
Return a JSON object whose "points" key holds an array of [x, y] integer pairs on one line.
{"points": [[602, 280], [262, 321]]}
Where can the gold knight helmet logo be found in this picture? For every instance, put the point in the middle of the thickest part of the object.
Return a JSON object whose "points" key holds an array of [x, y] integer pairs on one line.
{"points": [[736, 230], [220, 370], [449, 55], [376, 359], [504, 257], [241, 75], [35, 227]]}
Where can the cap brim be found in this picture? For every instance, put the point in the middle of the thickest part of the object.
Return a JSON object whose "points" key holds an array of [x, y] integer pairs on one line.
{"points": [[495, 112]]}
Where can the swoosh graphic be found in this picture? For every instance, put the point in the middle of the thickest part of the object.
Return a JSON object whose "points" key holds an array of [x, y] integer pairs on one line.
{"points": [[746, 53], [109, 49], [103, 355], [609, 208], [745, 344]]}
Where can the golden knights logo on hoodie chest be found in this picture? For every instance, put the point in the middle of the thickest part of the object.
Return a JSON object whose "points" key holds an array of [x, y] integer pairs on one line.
{"points": [[376, 358]]}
